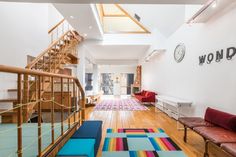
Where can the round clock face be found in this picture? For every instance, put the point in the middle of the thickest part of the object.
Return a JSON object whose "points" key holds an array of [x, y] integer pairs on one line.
{"points": [[179, 53]]}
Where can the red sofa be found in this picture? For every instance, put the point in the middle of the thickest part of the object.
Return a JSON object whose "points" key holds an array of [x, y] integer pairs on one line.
{"points": [[145, 96]]}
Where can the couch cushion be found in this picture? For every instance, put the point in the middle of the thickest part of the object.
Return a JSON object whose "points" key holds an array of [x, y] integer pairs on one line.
{"points": [[139, 97], [192, 122], [89, 129], [223, 119], [217, 135], [143, 93], [229, 148], [148, 94], [78, 147]]}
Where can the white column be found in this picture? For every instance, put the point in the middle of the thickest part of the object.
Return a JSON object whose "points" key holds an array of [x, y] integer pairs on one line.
{"points": [[95, 79], [81, 65]]}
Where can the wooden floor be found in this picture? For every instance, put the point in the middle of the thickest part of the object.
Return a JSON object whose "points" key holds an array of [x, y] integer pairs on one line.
{"points": [[151, 119]]}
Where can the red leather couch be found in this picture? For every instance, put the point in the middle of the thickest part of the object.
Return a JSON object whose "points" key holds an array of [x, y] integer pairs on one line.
{"points": [[217, 127], [145, 96]]}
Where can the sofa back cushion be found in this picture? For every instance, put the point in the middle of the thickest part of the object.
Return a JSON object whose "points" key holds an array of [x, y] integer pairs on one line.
{"points": [[222, 119], [148, 94], [143, 93]]}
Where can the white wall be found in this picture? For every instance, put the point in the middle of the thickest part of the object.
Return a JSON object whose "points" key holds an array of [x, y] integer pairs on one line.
{"points": [[23, 31], [116, 69], [82, 62], [54, 16], [211, 85]]}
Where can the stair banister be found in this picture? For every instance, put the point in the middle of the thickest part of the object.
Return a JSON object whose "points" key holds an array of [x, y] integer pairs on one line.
{"points": [[31, 64], [20, 72], [56, 26]]}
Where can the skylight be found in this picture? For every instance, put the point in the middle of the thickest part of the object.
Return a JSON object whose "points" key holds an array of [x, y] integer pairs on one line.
{"points": [[115, 19]]}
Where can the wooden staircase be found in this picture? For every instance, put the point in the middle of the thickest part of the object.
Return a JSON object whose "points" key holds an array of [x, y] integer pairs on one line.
{"points": [[60, 52]]}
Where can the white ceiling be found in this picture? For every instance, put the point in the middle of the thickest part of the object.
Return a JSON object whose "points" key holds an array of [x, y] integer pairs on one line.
{"points": [[118, 52], [115, 1], [165, 18], [83, 18]]}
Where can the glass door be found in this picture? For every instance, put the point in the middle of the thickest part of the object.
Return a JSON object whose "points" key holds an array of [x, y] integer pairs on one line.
{"points": [[116, 84], [106, 83]]}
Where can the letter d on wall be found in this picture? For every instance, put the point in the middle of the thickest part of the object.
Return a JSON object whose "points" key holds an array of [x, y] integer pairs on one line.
{"points": [[231, 51]]}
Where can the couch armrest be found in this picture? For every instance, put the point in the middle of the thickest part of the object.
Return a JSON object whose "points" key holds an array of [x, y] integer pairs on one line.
{"points": [[138, 93]]}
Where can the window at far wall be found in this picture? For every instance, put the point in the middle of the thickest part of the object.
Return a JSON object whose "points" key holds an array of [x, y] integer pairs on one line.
{"points": [[88, 81], [127, 79]]}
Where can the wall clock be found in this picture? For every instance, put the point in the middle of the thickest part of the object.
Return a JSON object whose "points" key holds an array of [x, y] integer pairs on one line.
{"points": [[179, 52]]}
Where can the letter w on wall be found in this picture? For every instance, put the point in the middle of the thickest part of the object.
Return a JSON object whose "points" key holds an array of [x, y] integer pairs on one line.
{"points": [[202, 59]]}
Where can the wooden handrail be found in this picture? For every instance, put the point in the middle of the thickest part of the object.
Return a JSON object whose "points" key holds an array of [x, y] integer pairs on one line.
{"points": [[17, 70], [54, 27], [76, 36]]}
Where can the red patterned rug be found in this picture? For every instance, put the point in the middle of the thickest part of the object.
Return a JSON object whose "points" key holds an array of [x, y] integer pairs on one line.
{"points": [[128, 104]]}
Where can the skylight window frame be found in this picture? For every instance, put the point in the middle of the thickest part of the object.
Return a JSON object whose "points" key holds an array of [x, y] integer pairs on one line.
{"points": [[126, 14]]}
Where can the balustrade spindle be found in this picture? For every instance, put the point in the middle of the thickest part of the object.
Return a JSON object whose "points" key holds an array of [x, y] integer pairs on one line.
{"points": [[69, 102], [50, 62], [63, 28], [74, 101], [19, 116], [52, 109], [79, 101], [57, 33], [62, 109], [39, 118], [51, 37]]}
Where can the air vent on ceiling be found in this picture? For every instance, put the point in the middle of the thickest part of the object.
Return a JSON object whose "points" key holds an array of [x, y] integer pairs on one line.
{"points": [[137, 17]]}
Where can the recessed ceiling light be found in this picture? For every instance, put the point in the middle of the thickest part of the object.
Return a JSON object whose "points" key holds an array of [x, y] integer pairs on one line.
{"points": [[85, 35], [214, 4], [72, 17], [90, 27]]}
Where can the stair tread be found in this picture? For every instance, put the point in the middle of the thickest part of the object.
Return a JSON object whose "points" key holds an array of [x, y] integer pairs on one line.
{"points": [[8, 100], [11, 112], [12, 90]]}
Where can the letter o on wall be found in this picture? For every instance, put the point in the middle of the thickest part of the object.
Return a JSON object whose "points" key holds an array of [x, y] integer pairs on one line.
{"points": [[210, 58]]}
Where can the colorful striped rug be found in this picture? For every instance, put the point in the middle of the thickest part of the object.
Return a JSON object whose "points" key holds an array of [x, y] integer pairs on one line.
{"points": [[128, 104], [140, 143]]}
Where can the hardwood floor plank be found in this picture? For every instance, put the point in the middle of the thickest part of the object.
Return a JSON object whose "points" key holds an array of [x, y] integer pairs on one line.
{"points": [[151, 119]]}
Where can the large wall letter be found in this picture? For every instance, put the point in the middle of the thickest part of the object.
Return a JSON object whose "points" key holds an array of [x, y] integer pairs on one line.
{"points": [[202, 59], [219, 55], [210, 58], [231, 51]]}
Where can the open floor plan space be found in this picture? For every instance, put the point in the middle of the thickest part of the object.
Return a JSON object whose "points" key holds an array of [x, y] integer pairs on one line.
{"points": [[117, 78]]}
